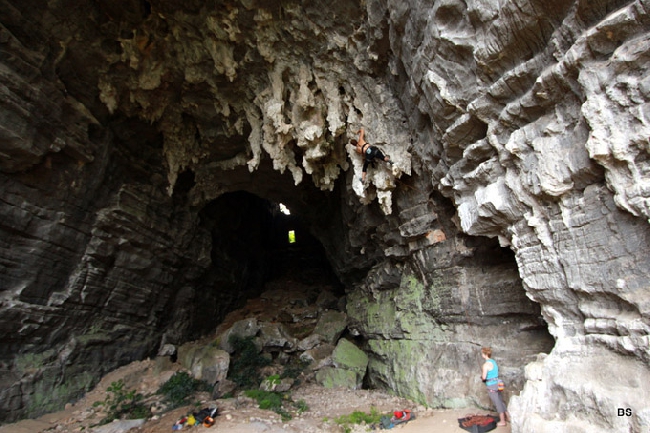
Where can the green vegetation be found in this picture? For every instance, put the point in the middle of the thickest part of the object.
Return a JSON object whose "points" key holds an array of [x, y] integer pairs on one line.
{"points": [[180, 387], [358, 417], [270, 400], [274, 379], [294, 368], [301, 406], [244, 369], [275, 401], [121, 403]]}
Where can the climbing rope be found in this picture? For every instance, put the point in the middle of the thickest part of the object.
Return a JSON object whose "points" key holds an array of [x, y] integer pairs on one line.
{"points": [[480, 420]]}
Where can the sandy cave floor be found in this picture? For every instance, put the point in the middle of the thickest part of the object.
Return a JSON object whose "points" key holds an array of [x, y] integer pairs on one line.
{"points": [[243, 415]]}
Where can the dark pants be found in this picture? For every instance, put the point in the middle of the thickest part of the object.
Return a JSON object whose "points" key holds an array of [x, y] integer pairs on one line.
{"points": [[497, 399], [372, 154]]}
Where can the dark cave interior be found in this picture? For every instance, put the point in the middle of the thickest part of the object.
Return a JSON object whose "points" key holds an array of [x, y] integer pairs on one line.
{"points": [[253, 243]]}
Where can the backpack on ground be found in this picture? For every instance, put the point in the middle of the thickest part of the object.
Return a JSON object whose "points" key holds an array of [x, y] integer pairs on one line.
{"points": [[206, 416], [385, 422], [478, 423]]}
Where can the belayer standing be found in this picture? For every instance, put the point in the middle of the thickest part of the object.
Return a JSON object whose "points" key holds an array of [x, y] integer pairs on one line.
{"points": [[490, 375], [370, 154]]}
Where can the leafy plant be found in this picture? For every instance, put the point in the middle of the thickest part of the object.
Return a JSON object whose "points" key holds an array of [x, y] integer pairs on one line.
{"points": [[122, 403], [180, 387], [274, 379], [266, 399], [358, 417], [301, 406], [244, 369], [275, 401]]}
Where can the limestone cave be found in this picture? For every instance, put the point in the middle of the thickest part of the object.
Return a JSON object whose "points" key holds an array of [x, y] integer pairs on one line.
{"points": [[163, 162]]}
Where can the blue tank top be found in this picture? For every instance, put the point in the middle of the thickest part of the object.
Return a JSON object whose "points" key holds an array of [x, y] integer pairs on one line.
{"points": [[492, 375]]}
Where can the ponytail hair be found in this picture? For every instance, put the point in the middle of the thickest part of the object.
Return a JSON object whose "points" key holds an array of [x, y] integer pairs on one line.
{"points": [[355, 143]]}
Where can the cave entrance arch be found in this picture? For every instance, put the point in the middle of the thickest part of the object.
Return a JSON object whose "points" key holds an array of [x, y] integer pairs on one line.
{"points": [[250, 248]]}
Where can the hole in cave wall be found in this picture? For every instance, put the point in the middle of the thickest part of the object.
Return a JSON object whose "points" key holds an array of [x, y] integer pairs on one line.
{"points": [[250, 248], [505, 306], [182, 187]]}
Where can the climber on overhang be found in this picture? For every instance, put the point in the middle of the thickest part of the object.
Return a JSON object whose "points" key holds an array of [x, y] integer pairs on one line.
{"points": [[370, 153]]}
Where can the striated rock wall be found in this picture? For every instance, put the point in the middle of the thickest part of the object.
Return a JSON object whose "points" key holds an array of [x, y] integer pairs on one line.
{"points": [[544, 146], [515, 127]]}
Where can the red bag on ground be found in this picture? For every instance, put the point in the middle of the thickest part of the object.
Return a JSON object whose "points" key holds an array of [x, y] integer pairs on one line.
{"points": [[478, 423]]}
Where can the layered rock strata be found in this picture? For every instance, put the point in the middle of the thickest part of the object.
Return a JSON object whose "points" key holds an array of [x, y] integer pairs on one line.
{"points": [[545, 148]]}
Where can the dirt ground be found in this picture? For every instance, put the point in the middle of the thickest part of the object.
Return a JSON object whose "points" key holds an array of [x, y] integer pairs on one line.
{"points": [[240, 414]]}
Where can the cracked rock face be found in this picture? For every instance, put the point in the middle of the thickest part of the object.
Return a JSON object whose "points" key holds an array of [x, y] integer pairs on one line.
{"points": [[144, 143]]}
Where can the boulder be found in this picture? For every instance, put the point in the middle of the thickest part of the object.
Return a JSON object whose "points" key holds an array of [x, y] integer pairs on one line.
{"points": [[223, 387], [167, 350], [331, 325], [318, 357], [276, 384], [349, 367], [243, 328], [207, 363], [331, 377], [327, 300], [348, 356], [310, 342], [275, 335]]}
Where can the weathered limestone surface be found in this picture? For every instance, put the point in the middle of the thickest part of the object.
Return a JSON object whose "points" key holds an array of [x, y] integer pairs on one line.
{"points": [[520, 189], [547, 151]]}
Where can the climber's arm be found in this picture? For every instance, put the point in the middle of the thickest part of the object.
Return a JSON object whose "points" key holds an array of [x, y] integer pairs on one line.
{"points": [[362, 141]]}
